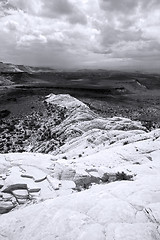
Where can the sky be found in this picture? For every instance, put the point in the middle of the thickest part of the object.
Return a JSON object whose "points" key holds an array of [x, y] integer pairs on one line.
{"points": [[107, 34]]}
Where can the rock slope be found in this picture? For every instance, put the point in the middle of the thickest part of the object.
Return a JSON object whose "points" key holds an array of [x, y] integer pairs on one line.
{"points": [[78, 124], [102, 183], [63, 126]]}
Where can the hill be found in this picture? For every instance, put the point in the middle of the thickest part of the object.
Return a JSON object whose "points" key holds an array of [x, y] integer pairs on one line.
{"points": [[103, 81]]}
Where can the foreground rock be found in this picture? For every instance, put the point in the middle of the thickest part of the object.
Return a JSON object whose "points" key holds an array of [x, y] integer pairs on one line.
{"points": [[119, 210], [127, 209], [102, 183]]}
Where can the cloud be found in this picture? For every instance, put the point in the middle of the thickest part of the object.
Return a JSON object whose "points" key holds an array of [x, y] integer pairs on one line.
{"points": [[69, 33], [29, 6], [61, 9], [123, 6], [11, 25], [5, 8], [128, 6], [110, 35], [29, 40], [54, 8]]}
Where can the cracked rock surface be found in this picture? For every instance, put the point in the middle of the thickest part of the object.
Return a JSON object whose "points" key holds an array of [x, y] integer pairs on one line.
{"points": [[103, 183]]}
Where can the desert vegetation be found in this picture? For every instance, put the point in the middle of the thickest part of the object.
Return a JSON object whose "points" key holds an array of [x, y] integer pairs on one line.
{"points": [[17, 134]]}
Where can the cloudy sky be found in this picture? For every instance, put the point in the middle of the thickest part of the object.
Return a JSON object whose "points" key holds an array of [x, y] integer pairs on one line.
{"points": [[111, 34]]}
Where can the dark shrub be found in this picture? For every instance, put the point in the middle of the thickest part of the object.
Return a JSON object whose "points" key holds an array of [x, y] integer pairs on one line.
{"points": [[4, 113], [123, 176]]}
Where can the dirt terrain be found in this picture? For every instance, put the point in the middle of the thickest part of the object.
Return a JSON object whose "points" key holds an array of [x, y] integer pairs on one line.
{"points": [[132, 95]]}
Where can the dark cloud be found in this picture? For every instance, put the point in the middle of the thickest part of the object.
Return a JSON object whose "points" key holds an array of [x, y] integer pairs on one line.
{"points": [[122, 6], [11, 25], [19, 5], [77, 17], [5, 8], [139, 51], [54, 8], [67, 33], [128, 6], [110, 35], [63, 8]]}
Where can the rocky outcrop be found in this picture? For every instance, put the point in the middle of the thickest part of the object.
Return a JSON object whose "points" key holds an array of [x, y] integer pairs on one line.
{"points": [[67, 125], [127, 209], [79, 127], [102, 183], [24, 180]]}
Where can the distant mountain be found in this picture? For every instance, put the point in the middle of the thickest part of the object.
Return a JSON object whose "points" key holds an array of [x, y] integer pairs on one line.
{"points": [[7, 67], [98, 79], [11, 68]]}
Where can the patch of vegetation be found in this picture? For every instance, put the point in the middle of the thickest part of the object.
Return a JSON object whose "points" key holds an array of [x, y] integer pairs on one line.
{"points": [[33, 131], [150, 125], [4, 113], [123, 176], [125, 143]]}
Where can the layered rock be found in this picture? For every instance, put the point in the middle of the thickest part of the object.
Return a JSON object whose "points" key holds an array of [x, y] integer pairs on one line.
{"points": [[80, 127], [102, 183], [123, 209]]}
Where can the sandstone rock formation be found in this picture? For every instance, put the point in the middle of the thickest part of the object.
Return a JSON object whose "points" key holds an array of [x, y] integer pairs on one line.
{"points": [[102, 183]]}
